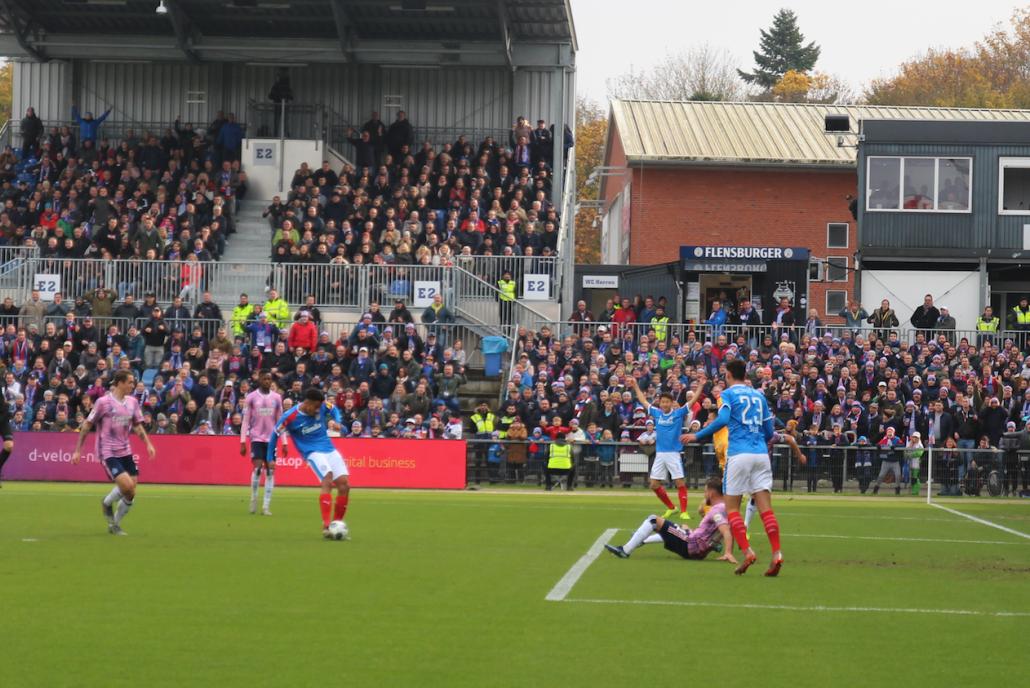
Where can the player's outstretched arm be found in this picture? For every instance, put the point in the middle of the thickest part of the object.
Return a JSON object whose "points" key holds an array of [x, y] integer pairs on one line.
{"points": [[83, 431], [696, 393], [720, 422], [794, 448], [635, 388]]}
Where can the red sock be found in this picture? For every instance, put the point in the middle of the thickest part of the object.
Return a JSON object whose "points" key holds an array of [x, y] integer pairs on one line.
{"points": [[341, 507], [325, 503], [683, 498], [664, 496], [772, 529], [739, 530]]}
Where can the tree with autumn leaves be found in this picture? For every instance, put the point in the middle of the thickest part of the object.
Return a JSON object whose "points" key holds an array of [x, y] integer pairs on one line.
{"points": [[591, 136], [993, 73], [6, 90]]}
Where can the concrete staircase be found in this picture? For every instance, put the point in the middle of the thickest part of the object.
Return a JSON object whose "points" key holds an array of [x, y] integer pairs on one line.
{"points": [[479, 388], [250, 246]]}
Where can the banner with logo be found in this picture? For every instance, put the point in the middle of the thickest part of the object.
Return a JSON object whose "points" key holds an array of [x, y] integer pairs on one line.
{"points": [[200, 460]]}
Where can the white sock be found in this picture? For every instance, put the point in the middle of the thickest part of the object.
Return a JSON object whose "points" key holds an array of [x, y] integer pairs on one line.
{"points": [[646, 528], [123, 508], [750, 512], [652, 539], [269, 484], [113, 496], [255, 481]]}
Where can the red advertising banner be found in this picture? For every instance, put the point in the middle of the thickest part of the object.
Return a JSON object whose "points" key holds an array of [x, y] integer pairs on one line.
{"points": [[206, 460]]}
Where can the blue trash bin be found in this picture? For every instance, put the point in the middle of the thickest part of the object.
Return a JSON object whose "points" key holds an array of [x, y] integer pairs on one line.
{"points": [[493, 351]]}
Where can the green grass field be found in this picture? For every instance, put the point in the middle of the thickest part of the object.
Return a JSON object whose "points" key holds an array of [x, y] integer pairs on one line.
{"points": [[448, 589]]}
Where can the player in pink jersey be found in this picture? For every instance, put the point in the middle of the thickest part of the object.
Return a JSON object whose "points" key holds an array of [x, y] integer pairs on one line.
{"points": [[261, 410], [713, 530], [115, 416]]}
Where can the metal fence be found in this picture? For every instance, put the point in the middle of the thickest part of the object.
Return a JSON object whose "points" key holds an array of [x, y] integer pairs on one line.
{"points": [[757, 335], [830, 469], [333, 285]]}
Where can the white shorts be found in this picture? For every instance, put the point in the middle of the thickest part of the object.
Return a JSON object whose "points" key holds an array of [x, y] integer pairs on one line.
{"points": [[747, 474], [667, 465], [324, 463]]}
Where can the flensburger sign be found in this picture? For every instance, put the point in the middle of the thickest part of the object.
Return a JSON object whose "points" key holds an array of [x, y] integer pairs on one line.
{"points": [[695, 253]]}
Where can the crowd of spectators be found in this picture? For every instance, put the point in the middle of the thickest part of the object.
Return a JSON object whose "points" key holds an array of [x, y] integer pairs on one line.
{"points": [[75, 194], [418, 204], [876, 399], [395, 374]]}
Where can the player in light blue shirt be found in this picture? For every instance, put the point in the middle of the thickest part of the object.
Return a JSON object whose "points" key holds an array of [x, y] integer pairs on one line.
{"points": [[747, 417], [668, 463], [306, 423]]}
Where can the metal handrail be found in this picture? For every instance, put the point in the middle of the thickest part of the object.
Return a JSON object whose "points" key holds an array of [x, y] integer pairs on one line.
{"points": [[5, 133]]}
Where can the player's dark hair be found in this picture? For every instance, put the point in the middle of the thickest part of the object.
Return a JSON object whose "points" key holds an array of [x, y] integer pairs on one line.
{"points": [[714, 484], [667, 395], [736, 369], [122, 376], [314, 394]]}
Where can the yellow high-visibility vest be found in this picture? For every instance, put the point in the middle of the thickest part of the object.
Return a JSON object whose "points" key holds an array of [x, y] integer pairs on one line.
{"points": [[507, 288], [484, 424], [661, 327], [987, 325], [1022, 317], [560, 456]]}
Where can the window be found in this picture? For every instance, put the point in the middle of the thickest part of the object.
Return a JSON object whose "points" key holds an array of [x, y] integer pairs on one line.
{"points": [[920, 184], [836, 301], [953, 184], [815, 270], [836, 269], [837, 235], [882, 185], [1014, 187]]}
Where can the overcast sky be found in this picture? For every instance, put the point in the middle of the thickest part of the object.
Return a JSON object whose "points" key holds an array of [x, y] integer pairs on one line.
{"points": [[860, 41]]}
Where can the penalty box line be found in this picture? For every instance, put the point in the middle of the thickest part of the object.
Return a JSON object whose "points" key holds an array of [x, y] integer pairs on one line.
{"points": [[564, 586], [802, 608], [982, 521]]}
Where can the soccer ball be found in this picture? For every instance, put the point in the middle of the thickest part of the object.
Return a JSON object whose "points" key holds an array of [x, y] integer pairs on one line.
{"points": [[338, 530]]}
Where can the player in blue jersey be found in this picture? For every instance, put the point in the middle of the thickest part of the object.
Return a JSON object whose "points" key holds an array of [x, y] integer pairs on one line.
{"points": [[668, 426], [306, 424], [746, 414]]}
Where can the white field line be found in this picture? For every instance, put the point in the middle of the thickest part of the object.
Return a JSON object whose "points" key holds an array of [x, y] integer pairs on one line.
{"points": [[563, 587], [983, 521], [898, 539], [803, 608]]}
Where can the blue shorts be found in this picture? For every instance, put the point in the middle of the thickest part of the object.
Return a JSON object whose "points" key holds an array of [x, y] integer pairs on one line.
{"points": [[117, 465]]}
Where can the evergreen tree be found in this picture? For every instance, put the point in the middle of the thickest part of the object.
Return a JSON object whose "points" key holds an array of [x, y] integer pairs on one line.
{"points": [[781, 49]]}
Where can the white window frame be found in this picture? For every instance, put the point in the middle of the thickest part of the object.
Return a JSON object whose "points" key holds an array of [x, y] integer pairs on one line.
{"points": [[820, 269], [936, 183], [826, 303], [826, 270], [1003, 164], [847, 234]]}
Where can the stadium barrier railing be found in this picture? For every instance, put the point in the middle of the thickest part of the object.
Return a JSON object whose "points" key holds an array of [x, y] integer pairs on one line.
{"points": [[848, 469], [471, 280], [759, 335]]}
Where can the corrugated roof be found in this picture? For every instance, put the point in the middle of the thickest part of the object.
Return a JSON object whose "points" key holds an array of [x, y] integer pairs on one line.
{"points": [[759, 133]]}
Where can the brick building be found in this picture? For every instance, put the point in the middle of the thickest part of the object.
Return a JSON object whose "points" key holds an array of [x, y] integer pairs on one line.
{"points": [[704, 174]]}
